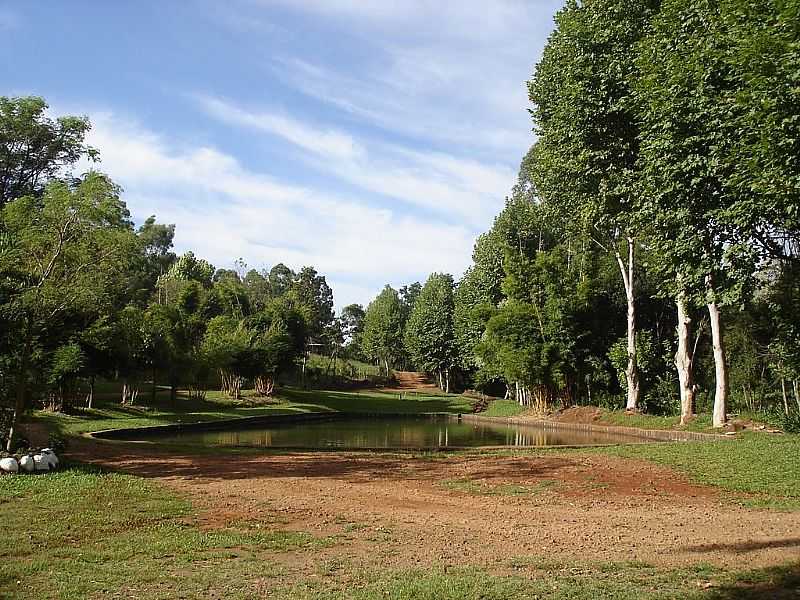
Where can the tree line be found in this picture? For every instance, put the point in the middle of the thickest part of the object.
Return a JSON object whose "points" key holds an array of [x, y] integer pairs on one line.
{"points": [[651, 246], [84, 295]]}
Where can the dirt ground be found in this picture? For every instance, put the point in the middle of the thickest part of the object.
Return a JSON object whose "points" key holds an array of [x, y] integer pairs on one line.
{"points": [[401, 511]]}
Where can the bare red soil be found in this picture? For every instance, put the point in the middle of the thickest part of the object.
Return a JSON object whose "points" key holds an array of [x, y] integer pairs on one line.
{"points": [[472, 508]]}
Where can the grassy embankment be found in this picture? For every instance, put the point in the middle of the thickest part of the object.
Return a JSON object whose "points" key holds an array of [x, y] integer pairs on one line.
{"points": [[109, 414]]}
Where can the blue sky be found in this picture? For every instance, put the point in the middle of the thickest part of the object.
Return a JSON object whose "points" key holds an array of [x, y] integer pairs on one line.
{"points": [[371, 139]]}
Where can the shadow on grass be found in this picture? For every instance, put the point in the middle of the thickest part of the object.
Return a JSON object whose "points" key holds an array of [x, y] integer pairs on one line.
{"points": [[372, 401], [773, 583], [742, 547]]}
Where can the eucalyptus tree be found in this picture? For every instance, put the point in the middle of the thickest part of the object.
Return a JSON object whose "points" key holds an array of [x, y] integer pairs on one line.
{"points": [[63, 253], [383, 328], [429, 336], [705, 209], [155, 260], [280, 333], [760, 52], [584, 164], [35, 148]]}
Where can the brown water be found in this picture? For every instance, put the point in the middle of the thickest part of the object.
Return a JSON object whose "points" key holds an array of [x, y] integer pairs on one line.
{"points": [[422, 431]]}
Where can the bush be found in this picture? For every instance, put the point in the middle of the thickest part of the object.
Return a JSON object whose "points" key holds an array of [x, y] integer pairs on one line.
{"points": [[789, 423], [662, 398]]}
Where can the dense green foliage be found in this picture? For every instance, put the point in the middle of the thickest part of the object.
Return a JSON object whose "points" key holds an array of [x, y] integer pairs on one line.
{"points": [[84, 296], [666, 159]]}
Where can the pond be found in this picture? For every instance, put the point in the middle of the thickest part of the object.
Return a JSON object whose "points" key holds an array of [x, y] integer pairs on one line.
{"points": [[360, 432]]}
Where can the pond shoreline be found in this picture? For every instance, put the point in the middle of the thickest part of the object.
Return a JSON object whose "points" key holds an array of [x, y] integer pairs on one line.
{"points": [[665, 435], [152, 434]]}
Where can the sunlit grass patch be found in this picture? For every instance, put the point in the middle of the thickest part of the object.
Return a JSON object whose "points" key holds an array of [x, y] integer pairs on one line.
{"points": [[80, 531]]}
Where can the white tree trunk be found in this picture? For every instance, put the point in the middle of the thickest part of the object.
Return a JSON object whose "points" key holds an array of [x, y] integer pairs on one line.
{"points": [[785, 397], [683, 362], [632, 369], [720, 367]]}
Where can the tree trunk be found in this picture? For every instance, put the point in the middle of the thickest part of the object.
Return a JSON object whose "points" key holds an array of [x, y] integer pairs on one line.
{"points": [[796, 388], [632, 369], [265, 384], [720, 367], [683, 362], [386, 364], [19, 404], [785, 397], [90, 397], [447, 381]]}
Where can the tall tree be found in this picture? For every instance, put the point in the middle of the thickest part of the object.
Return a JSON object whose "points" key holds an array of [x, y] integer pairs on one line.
{"points": [[64, 253], [429, 335], [383, 328], [584, 162], [703, 224], [352, 318], [311, 290]]}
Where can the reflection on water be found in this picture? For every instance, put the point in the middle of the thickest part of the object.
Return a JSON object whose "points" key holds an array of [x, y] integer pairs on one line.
{"points": [[394, 432]]}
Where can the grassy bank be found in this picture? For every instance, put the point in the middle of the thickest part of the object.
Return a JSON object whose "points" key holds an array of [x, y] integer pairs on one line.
{"points": [[109, 414], [604, 416], [762, 465]]}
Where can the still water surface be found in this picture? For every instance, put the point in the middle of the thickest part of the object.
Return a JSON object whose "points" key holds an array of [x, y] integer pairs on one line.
{"points": [[433, 431]]}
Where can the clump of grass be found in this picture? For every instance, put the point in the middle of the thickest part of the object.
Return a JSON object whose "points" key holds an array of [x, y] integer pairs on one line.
{"points": [[503, 408]]}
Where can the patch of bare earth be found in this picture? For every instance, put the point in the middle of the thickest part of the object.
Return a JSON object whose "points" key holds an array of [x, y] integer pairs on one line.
{"points": [[408, 381], [397, 510]]}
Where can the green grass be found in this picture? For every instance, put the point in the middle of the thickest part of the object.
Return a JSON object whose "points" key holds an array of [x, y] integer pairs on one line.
{"points": [[80, 532], [503, 408], [348, 367], [620, 418], [559, 581], [766, 466]]}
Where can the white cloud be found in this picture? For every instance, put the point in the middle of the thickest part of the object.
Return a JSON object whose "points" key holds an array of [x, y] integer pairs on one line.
{"points": [[460, 190], [224, 211], [448, 72], [329, 143]]}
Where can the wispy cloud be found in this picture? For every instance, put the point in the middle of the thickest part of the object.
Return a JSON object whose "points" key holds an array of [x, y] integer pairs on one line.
{"points": [[445, 72], [327, 142], [454, 189]]}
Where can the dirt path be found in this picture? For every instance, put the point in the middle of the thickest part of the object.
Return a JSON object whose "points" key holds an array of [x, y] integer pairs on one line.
{"points": [[402, 511], [412, 381]]}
